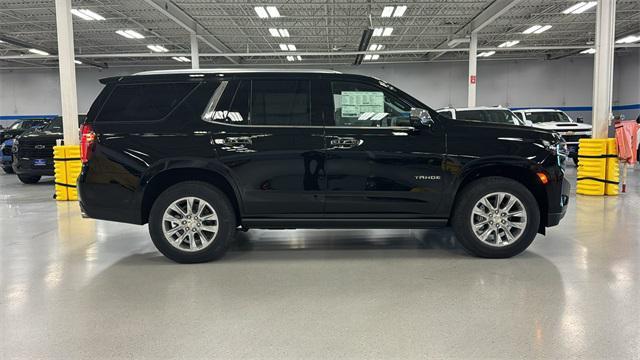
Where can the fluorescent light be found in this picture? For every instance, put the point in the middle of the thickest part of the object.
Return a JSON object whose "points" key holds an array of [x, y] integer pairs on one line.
{"points": [[542, 29], [628, 39], [399, 11], [185, 59], [367, 57], [181, 59], [387, 11], [376, 47], [509, 43], [377, 32], [588, 51], [291, 47], [39, 52], [273, 11], [274, 32], [81, 15], [375, 57], [86, 14], [78, 62], [130, 34], [387, 31], [574, 7], [290, 58], [486, 54], [585, 7], [532, 29], [299, 58], [262, 13], [284, 32], [284, 47], [157, 48]]}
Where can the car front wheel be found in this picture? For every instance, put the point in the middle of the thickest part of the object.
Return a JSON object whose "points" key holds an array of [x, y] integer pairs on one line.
{"points": [[192, 222], [496, 218]]}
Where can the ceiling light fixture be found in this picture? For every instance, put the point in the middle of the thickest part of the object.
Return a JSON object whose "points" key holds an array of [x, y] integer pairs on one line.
{"points": [[532, 29], [588, 51], [371, 57], [265, 12], [291, 47], [287, 47], [542, 29], [273, 11], [39, 52], [78, 62], [262, 13], [86, 14], [628, 39], [376, 47], [395, 11], [181, 59], [486, 54], [157, 48], [130, 34], [580, 7], [387, 11], [399, 11], [382, 31], [509, 43], [290, 58], [279, 32]]}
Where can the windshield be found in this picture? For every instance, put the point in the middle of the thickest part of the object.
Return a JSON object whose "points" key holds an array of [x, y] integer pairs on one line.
{"points": [[15, 125], [489, 115], [54, 126], [547, 116]]}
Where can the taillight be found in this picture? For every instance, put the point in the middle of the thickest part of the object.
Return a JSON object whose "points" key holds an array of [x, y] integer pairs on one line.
{"points": [[87, 138]]}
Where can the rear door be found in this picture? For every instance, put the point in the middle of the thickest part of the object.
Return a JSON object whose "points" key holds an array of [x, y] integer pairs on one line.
{"points": [[267, 131], [377, 165]]}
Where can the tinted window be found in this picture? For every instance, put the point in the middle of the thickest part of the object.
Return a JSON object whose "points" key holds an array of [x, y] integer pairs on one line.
{"points": [[231, 101], [358, 104], [492, 116], [280, 102], [547, 116], [143, 102], [54, 126], [447, 114]]}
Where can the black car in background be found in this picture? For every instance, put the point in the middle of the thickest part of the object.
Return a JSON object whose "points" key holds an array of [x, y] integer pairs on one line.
{"points": [[199, 154], [33, 151], [20, 126]]}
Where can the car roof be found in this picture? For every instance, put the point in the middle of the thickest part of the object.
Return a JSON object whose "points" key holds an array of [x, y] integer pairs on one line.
{"points": [[235, 71], [539, 110], [473, 108]]}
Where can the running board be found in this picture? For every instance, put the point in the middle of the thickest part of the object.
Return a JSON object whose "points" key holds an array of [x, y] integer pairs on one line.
{"points": [[321, 223]]}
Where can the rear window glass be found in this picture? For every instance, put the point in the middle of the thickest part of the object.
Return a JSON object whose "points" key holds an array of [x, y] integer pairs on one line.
{"points": [[143, 102], [547, 116], [491, 116], [280, 102]]}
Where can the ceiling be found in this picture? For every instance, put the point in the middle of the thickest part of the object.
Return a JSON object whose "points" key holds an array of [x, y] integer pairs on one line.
{"points": [[327, 28]]}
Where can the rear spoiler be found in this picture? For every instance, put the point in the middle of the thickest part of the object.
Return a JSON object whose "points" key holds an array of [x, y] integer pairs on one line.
{"points": [[110, 80]]}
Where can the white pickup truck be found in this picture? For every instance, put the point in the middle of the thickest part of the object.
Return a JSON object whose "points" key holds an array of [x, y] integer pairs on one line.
{"points": [[556, 120], [490, 114]]}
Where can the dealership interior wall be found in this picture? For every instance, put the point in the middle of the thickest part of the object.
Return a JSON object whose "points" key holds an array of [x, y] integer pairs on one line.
{"points": [[564, 83]]}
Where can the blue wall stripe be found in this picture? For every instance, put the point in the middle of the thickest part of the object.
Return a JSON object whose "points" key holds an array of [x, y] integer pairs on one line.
{"points": [[580, 108], [20, 117]]}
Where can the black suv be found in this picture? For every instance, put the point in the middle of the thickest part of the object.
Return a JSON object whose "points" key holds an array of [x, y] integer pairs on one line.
{"points": [[201, 154]]}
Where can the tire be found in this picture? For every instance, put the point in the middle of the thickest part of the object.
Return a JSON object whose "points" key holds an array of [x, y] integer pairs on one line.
{"points": [[27, 179], [522, 236], [7, 169], [218, 206]]}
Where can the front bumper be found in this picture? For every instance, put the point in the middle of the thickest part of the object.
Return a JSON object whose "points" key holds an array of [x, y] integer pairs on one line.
{"points": [[25, 166], [553, 218]]}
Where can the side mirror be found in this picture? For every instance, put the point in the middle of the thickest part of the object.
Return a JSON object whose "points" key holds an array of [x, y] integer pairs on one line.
{"points": [[528, 122], [580, 120], [420, 118]]}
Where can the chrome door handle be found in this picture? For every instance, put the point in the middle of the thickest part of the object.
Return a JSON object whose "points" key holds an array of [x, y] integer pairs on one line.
{"points": [[345, 143], [235, 141]]}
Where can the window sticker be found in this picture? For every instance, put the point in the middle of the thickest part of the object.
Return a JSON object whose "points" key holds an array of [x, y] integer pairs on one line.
{"points": [[356, 103]]}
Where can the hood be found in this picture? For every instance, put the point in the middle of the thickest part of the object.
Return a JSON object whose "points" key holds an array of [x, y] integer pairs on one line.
{"points": [[563, 126], [40, 135], [502, 130]]}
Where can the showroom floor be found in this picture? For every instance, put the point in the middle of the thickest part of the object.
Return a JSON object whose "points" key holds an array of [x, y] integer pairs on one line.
{"points": [[77, 288]]}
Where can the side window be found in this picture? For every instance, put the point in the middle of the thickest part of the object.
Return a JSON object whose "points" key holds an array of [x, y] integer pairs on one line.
{"points": [[280, 102], [143, 102], [446, 114], [358, 104], [231, 101], [519, 115]]}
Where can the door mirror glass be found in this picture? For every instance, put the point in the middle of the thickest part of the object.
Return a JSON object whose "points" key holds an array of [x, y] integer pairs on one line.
{"points": [[420, 118], [528, 122], [580, 120]]}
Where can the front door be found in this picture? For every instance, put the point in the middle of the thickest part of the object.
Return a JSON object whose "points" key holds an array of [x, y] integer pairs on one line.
{"points": [[378, 165], [264, 135]]}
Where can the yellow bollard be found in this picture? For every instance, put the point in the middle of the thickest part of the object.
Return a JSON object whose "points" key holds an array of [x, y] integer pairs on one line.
{"points": [[67, 165], [598, 167]]}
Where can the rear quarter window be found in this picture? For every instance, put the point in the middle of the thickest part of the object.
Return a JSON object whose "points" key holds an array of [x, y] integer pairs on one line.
{"points": [[143, 102]]}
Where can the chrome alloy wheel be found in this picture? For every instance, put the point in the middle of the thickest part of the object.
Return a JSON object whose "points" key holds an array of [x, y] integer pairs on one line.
{"points": [[499, 219], [190, 224]]}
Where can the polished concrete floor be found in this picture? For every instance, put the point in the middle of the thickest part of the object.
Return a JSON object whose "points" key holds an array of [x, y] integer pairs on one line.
{"points": [[77, 288]]}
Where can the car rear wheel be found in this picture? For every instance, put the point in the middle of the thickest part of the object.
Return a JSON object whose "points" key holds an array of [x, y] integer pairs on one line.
{"points": [[496, 218], [192, 222], [27, 179], [7, 169]]}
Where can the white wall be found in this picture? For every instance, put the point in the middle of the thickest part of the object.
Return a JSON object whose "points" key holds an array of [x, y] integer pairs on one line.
{"points": [[526, 83]]}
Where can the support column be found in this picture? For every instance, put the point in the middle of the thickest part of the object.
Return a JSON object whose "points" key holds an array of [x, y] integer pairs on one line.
{"points": [[603, 68], [473, 62], [67, 66], [195, 52]]}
